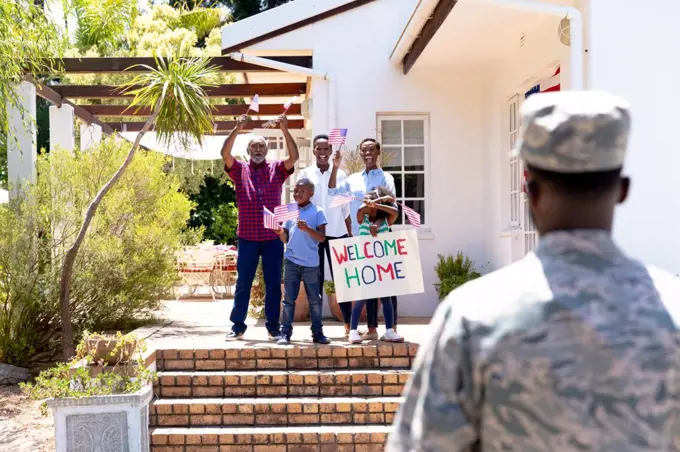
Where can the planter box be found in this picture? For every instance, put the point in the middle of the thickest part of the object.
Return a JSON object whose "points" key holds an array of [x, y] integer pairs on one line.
{"points": [[115, 423]]}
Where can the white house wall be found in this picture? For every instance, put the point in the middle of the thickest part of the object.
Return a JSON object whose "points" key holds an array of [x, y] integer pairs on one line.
{"points": [[513, 73], [634, 53], [354, 47]]}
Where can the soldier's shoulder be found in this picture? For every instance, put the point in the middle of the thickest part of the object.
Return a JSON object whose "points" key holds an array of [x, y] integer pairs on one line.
{"points": [[502, 292]]}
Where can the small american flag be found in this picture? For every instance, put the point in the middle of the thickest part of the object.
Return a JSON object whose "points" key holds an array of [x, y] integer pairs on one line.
{"points": [[269, 219], [255, 104], [286, 212], [337, 136], [289, 104], [341, 200], [412, 216]]}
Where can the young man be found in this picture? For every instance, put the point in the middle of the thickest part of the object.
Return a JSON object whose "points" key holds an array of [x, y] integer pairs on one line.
{"points": [[575, 347], [339, 222], [258, 184], [302, 262]]}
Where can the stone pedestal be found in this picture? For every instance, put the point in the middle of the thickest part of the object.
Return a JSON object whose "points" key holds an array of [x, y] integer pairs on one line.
{"points": [[116, 423]]}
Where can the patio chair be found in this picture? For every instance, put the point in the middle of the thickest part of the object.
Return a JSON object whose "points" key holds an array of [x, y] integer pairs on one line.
{"points": [[223, 276], [195, 267]]}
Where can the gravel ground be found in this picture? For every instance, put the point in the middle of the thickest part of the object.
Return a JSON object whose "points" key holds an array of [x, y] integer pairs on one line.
{"points": [[22, 427]]}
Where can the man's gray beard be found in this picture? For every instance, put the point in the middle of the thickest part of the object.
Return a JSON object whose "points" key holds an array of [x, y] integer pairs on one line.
{"points": [[257, 160]]}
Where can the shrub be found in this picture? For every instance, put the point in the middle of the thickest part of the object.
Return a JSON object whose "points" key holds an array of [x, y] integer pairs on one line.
{"points": [[454, 272], [126, 264]]}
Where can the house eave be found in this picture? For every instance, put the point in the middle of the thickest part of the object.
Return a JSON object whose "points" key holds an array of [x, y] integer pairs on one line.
{"points": [[423, 24]]}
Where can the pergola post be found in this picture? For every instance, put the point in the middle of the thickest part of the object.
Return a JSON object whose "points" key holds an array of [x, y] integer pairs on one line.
{"points": [[62, 127], [90, 135], [22, 154]]}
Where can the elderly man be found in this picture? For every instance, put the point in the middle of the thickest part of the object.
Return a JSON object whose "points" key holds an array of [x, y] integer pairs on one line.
{"points": [[258, 184], [575, 347], [339, 223]]}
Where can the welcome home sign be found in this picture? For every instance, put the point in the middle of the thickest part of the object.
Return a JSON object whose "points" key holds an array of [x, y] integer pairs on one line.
{"points": [[374, 267]]}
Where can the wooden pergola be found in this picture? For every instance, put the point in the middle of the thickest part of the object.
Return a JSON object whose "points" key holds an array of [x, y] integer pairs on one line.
{"points": [[89, 111]]}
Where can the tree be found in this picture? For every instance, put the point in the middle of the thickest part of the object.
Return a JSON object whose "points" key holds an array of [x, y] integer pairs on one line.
{"points": [[240, 9], [181, 111]]}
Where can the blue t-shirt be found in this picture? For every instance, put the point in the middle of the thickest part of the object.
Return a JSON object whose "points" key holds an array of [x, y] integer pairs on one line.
{"points": [[302, 248]]}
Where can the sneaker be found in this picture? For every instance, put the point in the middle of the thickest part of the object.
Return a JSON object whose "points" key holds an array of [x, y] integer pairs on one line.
{"points": [[274, 336], [320, 339], [370, 336], [234, 335], [283, 340], [354, 337], [392, 336]]}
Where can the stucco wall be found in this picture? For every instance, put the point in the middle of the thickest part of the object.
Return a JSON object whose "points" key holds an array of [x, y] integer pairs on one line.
{"points": [[634, 53], [355, 47]]}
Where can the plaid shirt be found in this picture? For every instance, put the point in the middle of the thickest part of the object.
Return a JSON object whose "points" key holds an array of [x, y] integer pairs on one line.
{"points": [[257, 186]]}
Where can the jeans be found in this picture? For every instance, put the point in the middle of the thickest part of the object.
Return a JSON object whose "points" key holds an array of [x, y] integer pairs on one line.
{"points": [[387, 312], [249, 253], [295, 273], [372, 311], [325, 251]]}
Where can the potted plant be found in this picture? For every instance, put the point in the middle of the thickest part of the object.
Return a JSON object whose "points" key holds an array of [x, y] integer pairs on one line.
{"points": [[95, 403], [109, 350], [454, 272]]}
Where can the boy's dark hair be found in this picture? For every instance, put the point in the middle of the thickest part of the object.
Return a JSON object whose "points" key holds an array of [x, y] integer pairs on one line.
{"points": [[379, 192], [370, 140], [319, 137], [579, 184], [306, 182]]}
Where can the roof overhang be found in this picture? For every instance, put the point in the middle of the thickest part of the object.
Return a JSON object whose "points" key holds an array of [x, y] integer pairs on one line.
{"points": [[426, 19], [281, 20]]}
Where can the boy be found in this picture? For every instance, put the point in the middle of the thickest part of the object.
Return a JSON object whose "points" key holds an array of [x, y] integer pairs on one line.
{"points": [[302, 262]]}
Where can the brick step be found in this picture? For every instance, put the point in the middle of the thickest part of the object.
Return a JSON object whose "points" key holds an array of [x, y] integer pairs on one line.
{"points": [[271, 439], [293, 357], [273, 412], [282, 383]]}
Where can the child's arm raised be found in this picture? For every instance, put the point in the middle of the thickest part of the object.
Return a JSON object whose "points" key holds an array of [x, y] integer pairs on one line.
{"points": [[363, 210], [392, 213]]}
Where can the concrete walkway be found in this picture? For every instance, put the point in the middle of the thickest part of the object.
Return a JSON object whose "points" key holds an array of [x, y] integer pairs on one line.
{"points": [[201, 324]]}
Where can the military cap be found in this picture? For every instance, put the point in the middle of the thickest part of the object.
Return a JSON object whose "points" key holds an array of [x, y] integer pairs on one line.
{"points": [[574, 131]]}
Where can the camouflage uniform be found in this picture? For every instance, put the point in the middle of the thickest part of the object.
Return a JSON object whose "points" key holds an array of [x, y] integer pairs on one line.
{"points": [[573, 348]]}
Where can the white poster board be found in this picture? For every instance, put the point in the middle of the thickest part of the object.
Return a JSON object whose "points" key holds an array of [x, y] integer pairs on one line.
{"points": [[373, 267]]}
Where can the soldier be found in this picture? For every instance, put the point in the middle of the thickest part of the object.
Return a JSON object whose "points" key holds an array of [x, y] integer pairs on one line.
{"points": [[575, 347]]}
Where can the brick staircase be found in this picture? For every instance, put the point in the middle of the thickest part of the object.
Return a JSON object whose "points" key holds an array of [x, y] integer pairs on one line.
{"points": [[278, 399]]}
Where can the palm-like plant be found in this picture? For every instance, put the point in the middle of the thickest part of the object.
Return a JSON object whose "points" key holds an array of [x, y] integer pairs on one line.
{"points": [[181, 111]]}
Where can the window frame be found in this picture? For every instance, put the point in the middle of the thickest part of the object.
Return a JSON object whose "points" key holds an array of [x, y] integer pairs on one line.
{"points": [[426, 226]]}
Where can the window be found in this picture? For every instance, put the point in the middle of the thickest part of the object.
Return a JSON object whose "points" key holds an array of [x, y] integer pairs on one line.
{"points": [[514, 167], [278, 151], [405, 155]]}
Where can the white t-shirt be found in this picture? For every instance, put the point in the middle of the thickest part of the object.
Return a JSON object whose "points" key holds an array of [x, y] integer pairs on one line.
{"points": [[334, 215]]}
